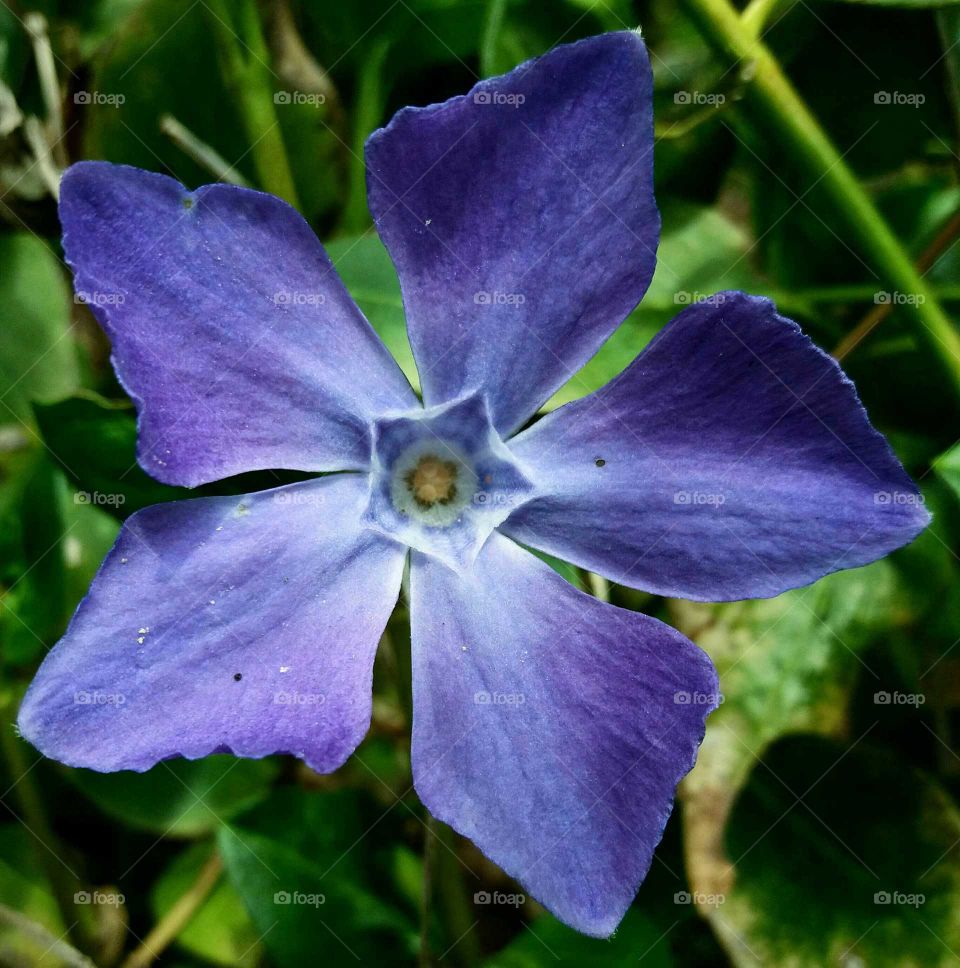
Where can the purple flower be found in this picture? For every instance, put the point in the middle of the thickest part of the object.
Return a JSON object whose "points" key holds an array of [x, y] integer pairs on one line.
{"points": [[731, 460]]}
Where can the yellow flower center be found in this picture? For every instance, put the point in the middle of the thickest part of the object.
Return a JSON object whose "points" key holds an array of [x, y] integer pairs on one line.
{"points": [[433, 481]]}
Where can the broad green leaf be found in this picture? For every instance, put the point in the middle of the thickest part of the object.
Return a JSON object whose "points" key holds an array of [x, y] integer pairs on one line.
{"points": [[37, 354], [34, 615], [298, 871], [844, 855], [95, 441], [546, 942], [786, 664], [51, 547], [221, 931], [180, 798]]}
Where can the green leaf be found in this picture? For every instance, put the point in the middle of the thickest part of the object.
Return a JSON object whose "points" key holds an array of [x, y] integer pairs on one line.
{"points": [[547, 941], [860, 869], [905, 4], [948, 467], [23, 888], [294, 863], [95, 441], [221, 930], [180, 798], [146, 67], [786, 664], [37, 355], [367, 271], [51, 547], [701, 252], [33, 618]]}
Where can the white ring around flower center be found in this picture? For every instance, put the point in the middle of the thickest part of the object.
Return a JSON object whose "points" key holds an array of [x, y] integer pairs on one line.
{"points": [[432, 482]]}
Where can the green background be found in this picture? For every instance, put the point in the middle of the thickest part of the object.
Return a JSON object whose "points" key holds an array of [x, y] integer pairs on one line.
{"points": [[820, 826]]}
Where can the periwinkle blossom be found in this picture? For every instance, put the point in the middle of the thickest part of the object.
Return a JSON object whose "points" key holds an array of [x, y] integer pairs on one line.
{"points": [[731, 460]]}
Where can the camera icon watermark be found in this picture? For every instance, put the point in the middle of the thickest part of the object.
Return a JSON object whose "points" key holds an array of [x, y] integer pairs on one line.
{"points": [[101, 898], [898, 98], [883, 698], [99, 98], [699, 98], [699, 898], [899, 898], [496, 298], [502, 898], [499, 98], [484, 698], [900, 498], [299, 899], [684, 698], [299, 97]]}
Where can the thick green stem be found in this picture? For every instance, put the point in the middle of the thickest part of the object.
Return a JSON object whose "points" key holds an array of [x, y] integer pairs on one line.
{"points": [[774, 97], [244, 62], [758, 13]]}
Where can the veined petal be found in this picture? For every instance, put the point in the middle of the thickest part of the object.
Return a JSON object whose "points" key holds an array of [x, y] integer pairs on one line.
{"points": [[231, 330], [228, 624], [521, 220], [732, 459], [549, 728]]}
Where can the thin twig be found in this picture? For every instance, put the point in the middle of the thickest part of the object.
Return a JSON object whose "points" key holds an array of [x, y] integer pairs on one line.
{"points": [[36, 26], [200, 152], [879, 313], [176, 919], [66, 953]]}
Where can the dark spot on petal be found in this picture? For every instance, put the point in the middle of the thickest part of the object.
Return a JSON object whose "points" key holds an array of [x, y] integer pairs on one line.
{"points": [[600, 462], [237, 676], [188, 202]]}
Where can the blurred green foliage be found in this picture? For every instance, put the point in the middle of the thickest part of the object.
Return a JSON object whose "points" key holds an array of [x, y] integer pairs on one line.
{"points": [[820, 825]]}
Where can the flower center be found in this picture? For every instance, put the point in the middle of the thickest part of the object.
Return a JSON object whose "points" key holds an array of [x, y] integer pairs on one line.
{"points": [[432, 484], [433, 481], [441, 480]]}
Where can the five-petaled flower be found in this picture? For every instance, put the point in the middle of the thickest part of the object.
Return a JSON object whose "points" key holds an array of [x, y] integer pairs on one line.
{"points": [[731, 460]]}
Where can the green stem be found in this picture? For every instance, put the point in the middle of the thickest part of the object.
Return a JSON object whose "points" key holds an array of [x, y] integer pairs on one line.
{"points": [[758, 13], [367, 114], [493, 24], [244, 63], [64, 953], [772, 94], [454, 889], [426, 908], [169, 927]]}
